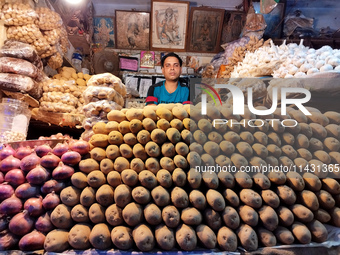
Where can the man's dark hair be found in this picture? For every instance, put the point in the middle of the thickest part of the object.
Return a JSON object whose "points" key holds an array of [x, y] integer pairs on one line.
{"points": [[171, 54]]}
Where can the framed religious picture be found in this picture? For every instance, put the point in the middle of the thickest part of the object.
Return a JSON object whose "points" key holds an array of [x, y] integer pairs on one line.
{"points": [[147, 59], [132, 30], [205, 29], [169, 24], [103, 33]]}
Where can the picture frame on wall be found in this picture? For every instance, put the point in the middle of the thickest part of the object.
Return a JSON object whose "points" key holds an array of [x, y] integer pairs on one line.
{"points": [[132, 30], [169, 25], [205, 29], [147, 59], [103, 32]]}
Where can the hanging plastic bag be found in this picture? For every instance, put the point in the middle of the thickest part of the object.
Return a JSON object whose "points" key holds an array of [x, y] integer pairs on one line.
{"points": [[255, 24], [266, 6]]}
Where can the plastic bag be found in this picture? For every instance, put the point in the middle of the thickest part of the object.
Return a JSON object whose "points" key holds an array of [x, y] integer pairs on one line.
{"points": [[97, 93], [296, 20], [48, 19], [255, 24], [108, 80], [18, 14], [266, 6]]}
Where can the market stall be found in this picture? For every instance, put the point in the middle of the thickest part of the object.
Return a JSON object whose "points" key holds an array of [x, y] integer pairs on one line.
{"points": [[251, 166]]}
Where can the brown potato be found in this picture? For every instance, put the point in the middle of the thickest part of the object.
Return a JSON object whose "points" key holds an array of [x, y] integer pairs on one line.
{"points": [[141, 195], [78, 236], [121, 237], [266, 237], [179, 177], [318, 231], [248, 215], [179, 197], [231, 197], [270, 198], [191, 216], [243, 180], [147, 179], [206, 236], [295, 181], [302, 213], [286, 217], [171, 216], [226, 178], [194, 178], [326, 201], [230, 217], [56, 241], [283, 235], [143, 237], [79, 180], [88, 196], [308, 199], [215, 200], [165, 237], [268, 217], [251, 198], [301, 233], [312, 182], [247, 237], [261, 181], [152, 214], [197, 199], [213, 219], [132, 214], [186, 237], [322, 215], [97, 213], [137, 165], [227, 240], [160, 196]]}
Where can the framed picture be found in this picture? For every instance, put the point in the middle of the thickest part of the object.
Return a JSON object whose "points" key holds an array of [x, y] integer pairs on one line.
{"points": [[132, 30], [169, 24], [103, 31], [205, 29], [232, 26], [147, 59]]}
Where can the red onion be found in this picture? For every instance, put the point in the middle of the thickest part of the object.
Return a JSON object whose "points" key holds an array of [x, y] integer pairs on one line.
{"points": [[52, 185], [50, 160], [43, 150], [51, 201], [9, 163], [71, 158], [34, 206], [32, 241], [11, 206], [80, 146], [7, 240], [26, 190], [4, 222], [62, 172], [29, 162], [21, 223], [44, 224], [37, 175], [15, 177], [60, 149], [22, 152], [2, 178], [7, 151], [6, 191]]}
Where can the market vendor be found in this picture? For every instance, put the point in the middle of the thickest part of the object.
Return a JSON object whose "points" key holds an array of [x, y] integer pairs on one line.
{"points": [[172, 89]]}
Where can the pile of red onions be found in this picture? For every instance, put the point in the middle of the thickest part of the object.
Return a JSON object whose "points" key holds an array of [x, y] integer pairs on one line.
{"points": [[30, 182]]}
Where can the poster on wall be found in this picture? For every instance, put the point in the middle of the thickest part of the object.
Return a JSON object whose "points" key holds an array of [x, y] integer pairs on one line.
{"points": [[103, 33], [147, 59]]}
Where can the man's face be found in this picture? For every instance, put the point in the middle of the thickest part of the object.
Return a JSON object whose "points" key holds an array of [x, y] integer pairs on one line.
{"points": [[171, 69]]}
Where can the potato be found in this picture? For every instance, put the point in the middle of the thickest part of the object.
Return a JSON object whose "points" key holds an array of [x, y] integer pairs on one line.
{"points": [[152, 164], [200, 137], [115, 138], [213, 218], [163, 124], [197, 199], [190, 124], [179, 198], [88, 196], [308, 199], [326, 201], [331, 144], [306, 130], [147, 179], [243, 180], [305, 154], [210, 179], [231, 137], [152, 214], [247, 237], [194, 158], [248, 215], [125, 151], [230, 217], [96, 178], [318, 231], [168, 150], [215, 200], [171, 216], [143, 136], [180, 162], [301, 233], [277, 178], [333, 117], [149, 113], [261, 181], [333, 130], [79, 180], [160, 196], [273, 138], [132, 214], [104, 195], [129, 177], [165, 237], [148, 124], [88, 165], [176, 123], [301, 141], [106, 165], [132, 114], [152, 149], [78, 236], [187, 136], [215, 137], [331, 186], [260, 150], [286, 194], [191, 216], [97, 213], [100, 128], [139, 152], [283, 235], [266, 237], [295, 181], [318, 118], [238, 160], [274, 150], [315, 144], [302, 213], [206, 236], [272, 161], [56, 241], [163, 113], [244, 149], [268, 217], [61, 216], [288, 138], [143, 237], [114, 178], [335, 157], [70, 196], [285, 216], [135, 126], [207, 160], [257, 162], [226, 178], [322, 156], [186, 237], [173, 135], [335, 216], [116, 115], [179, 177], [251, 198], [231, 197], [113, 215], [194, 178], [270, 198], [260, 138], [227, 147], [286, 161], [289, 151], [121, 237], [205, 125], [137, 165], [111, 126], [212, 148], [227, 240], [182, 149], [322, 216], [141, 195], [247, 137], [112, 152]]}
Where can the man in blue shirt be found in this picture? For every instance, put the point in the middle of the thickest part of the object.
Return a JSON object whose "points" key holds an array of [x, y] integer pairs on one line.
{"points": [[172, 90]]}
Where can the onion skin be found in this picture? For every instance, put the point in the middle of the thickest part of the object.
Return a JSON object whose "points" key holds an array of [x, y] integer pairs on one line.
{"points": [[15, 177], [71, 158], [34, 206], [60, 149], [43, 150], [52, 185], [11, 206], [37, 176], [2, 178], [4, 220], [6, 191], [7, 240], [26, 190], [9, 163], [51, 201], [62, 172], [44, 224], [29, 162], [32, 241], [21, 224], [50, 161], [7, 151], [80, 146], [22, 152]]}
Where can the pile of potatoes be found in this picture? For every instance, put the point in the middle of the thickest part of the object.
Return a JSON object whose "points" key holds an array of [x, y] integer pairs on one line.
{"points": [[140, 188]]}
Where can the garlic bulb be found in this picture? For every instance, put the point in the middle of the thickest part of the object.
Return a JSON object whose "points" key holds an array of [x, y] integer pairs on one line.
{"points": [[326, 67], [319, 64], [299, 75], [334, 61], [305, 67], [337, 68], [313, 70]]}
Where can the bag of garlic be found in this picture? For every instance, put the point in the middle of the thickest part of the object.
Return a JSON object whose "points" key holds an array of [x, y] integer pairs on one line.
{"points": [[255, 24]]}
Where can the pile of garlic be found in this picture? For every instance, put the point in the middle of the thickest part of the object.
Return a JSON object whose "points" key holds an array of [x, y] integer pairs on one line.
{"points": [[287, 61]]}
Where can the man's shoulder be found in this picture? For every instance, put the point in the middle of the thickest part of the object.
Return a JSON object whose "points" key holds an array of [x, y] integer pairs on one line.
{"points": [[158, 84]]}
